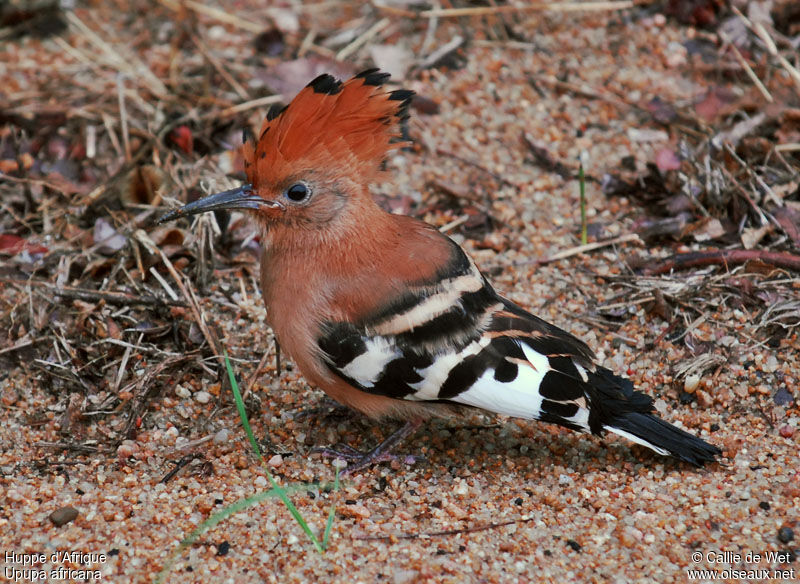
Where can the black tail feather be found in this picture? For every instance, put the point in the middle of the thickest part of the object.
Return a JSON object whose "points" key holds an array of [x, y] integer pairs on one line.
{"points": [[617, 406], [661, 435]]}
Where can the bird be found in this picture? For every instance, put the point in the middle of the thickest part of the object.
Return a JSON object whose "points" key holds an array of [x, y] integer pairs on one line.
{"points": [[386, 314]]}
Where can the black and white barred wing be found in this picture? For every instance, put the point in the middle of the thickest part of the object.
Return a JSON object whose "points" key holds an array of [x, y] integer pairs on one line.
{"points": [[475, 349], [502, 359]]}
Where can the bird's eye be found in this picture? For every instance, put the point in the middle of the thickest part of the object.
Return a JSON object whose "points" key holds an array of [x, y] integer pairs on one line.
{"points": [[298, 192]]}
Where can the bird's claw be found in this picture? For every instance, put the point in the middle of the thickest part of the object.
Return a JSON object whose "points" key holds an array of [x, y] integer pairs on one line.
{"points": [[357, 460]]}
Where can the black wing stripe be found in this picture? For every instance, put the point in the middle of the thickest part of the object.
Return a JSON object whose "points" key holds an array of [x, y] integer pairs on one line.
{"points": [[561, 409], [458, 324], [400, 374], [341, 343], [543, 337]]}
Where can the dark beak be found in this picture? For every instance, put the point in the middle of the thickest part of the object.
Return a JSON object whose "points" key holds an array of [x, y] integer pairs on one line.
{"points": [[242, 197]]}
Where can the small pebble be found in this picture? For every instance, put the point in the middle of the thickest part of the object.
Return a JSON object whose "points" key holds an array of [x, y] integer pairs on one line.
{"points": [[402, 576], [202, 397], [660, 406], [222, 436], [704, 398], [461, 488], [64, 515], [771, 366], [275, 461], [782, 397], [182, 392], [127, 449], [785, 534], [786, 431], [690, 383]]}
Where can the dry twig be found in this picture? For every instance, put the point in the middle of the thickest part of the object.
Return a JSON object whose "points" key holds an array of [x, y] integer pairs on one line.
{"points": [[446, 532], [530, 7], [722, 257]]}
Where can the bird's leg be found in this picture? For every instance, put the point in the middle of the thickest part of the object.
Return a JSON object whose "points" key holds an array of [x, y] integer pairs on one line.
{"points": [[357, 460]]}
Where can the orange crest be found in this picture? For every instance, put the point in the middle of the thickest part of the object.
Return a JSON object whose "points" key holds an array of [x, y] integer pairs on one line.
{"points": [[329, 124]]}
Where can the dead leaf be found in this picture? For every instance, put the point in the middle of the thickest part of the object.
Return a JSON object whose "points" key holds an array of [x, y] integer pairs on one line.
{"points": [[751, 236], [543, 158], [457, 191], [13, 244], [789, 128], [705, 229], [740, 130], [167, 235], [108, 239], [286, 19], [789, 220], [666, 159], [716, 103], [786, 189], [182, 138], [424, 105], [142, 184], [655, 227], [65, 186], [695, 12]]}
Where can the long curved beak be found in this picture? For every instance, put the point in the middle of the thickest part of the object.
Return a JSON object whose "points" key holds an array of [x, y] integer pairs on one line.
{"points": [[241, 197]]}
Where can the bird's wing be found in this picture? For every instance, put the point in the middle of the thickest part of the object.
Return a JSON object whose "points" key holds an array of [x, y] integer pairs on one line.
{"points": [[456, 340]]}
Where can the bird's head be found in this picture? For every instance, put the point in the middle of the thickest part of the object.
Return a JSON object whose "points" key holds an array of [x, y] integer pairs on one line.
{"points": [[313, 159]]}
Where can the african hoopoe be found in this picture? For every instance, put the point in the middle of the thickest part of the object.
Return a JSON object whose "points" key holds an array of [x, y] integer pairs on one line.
{"points": [[386, 314]]}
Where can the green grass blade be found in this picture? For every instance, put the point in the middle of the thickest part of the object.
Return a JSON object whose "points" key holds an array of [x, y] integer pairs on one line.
{"points": [[231, 509], [276, 491], [331, 514], [237, 396]]}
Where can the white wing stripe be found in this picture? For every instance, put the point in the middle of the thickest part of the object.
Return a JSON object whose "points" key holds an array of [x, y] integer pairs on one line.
{"points": [[436, 374], [428, 308], [519, 398], [368, 366]]}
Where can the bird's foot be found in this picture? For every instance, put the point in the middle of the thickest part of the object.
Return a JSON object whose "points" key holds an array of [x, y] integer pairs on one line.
{"points": [[358, 460]]}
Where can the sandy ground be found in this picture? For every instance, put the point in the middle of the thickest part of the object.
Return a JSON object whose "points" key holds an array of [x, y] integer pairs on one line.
{"points": [[495, 500]]}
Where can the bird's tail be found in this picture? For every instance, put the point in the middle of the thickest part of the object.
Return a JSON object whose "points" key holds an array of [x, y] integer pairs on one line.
{"points": [[651, 431], [619, 408]]}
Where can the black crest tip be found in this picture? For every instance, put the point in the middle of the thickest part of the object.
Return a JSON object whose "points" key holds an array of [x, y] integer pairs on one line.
{"points": [[274, 111], [248, 136], [404, 95], [327, 84], [374, 77]]}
